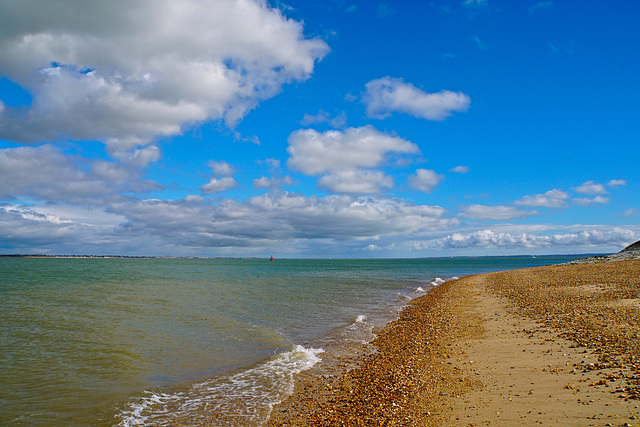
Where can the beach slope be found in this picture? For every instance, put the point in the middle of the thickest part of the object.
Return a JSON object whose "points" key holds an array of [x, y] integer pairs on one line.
{"points": [[556, 345]]}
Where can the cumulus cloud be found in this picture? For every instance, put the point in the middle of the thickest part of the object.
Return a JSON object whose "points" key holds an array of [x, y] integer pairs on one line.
{"points": [[591, 188], [313, 119], [425, 180], [272, 183], [218, 185], [356, 182], [551, 199], [495, 213], [491, 239], [315, 153], [388, 95], [45, 173], [587, 201], [616, 183], [127, 154], [221, 180], [346, 155], [339, 121], [38, 229], [221, 168], [130, 71], [272, 218], [461, 169]]}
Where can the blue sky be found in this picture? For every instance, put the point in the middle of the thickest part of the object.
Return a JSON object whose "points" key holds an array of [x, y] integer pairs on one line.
{"points": [[318, 129]]}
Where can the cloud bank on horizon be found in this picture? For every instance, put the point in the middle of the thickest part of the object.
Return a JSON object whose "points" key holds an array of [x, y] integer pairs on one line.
{"points": [[245, 127]]}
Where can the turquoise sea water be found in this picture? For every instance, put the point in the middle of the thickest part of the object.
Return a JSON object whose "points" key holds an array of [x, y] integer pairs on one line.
{"points": [[92, 342]]}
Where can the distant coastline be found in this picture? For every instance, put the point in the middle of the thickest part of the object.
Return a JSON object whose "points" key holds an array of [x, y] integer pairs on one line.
{"points": [[116, 256], [586, 257]]}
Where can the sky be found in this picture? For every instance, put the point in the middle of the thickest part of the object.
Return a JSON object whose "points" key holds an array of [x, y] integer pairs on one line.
{"points": [[311, 129]]}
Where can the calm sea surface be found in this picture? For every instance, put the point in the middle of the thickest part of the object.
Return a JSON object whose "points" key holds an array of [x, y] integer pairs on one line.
{"points": [[92, 342]]}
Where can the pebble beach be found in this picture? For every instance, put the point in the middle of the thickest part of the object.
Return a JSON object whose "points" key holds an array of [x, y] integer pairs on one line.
{"points": [[555, 345]]}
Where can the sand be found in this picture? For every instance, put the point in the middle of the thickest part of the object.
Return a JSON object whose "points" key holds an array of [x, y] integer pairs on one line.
{"points": [[555, 345]]}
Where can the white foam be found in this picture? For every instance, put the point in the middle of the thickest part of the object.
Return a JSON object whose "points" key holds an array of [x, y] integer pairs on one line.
{"points": [[249, 394], [403, 296], [437, 281], [361, 318], [419, 289]]}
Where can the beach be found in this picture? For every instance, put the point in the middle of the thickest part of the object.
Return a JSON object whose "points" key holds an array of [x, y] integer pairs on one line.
{"points": [[164, 341], [555, 345]]}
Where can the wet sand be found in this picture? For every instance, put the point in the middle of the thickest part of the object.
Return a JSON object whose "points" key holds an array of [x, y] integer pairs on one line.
{"points": [[557, 345]]}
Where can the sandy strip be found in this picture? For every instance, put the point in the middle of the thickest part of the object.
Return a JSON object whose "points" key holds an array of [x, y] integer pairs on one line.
{"points": [[555, 345]]}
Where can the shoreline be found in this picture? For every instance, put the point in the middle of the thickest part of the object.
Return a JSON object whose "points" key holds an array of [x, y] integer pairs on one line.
{"points": [[556, 344]]}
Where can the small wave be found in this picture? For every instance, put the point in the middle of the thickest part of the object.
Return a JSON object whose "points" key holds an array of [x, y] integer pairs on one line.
{"points": [[244, 398], [419, 289], [437, 281], [360, 331], [403, 296]]}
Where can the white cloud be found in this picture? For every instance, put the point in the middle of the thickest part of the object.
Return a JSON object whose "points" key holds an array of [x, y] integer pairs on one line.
{"points": [[461, 169], [631, 212], [377, 248], [272, 183], [39, 229], [218, 185], [271, 163], [271, 218], [133, 156], [221, 179], [586, 201], [495, 213], [491, 239], [591, 188], [262, 182], [45, 173], [339, 121], [112, 172], [346, 158], [315, 153], [130, 71], [221, 168], [617, 183], [551, 199], [313, 119], [356, 182], [388, 95], [425, 180]]}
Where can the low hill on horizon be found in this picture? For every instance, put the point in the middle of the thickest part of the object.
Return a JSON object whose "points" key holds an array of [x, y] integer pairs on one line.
{"points": [[632, 247]]}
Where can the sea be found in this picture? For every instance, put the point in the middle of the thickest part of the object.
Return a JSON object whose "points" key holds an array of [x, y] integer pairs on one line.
{"points": [[165, 341]]}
